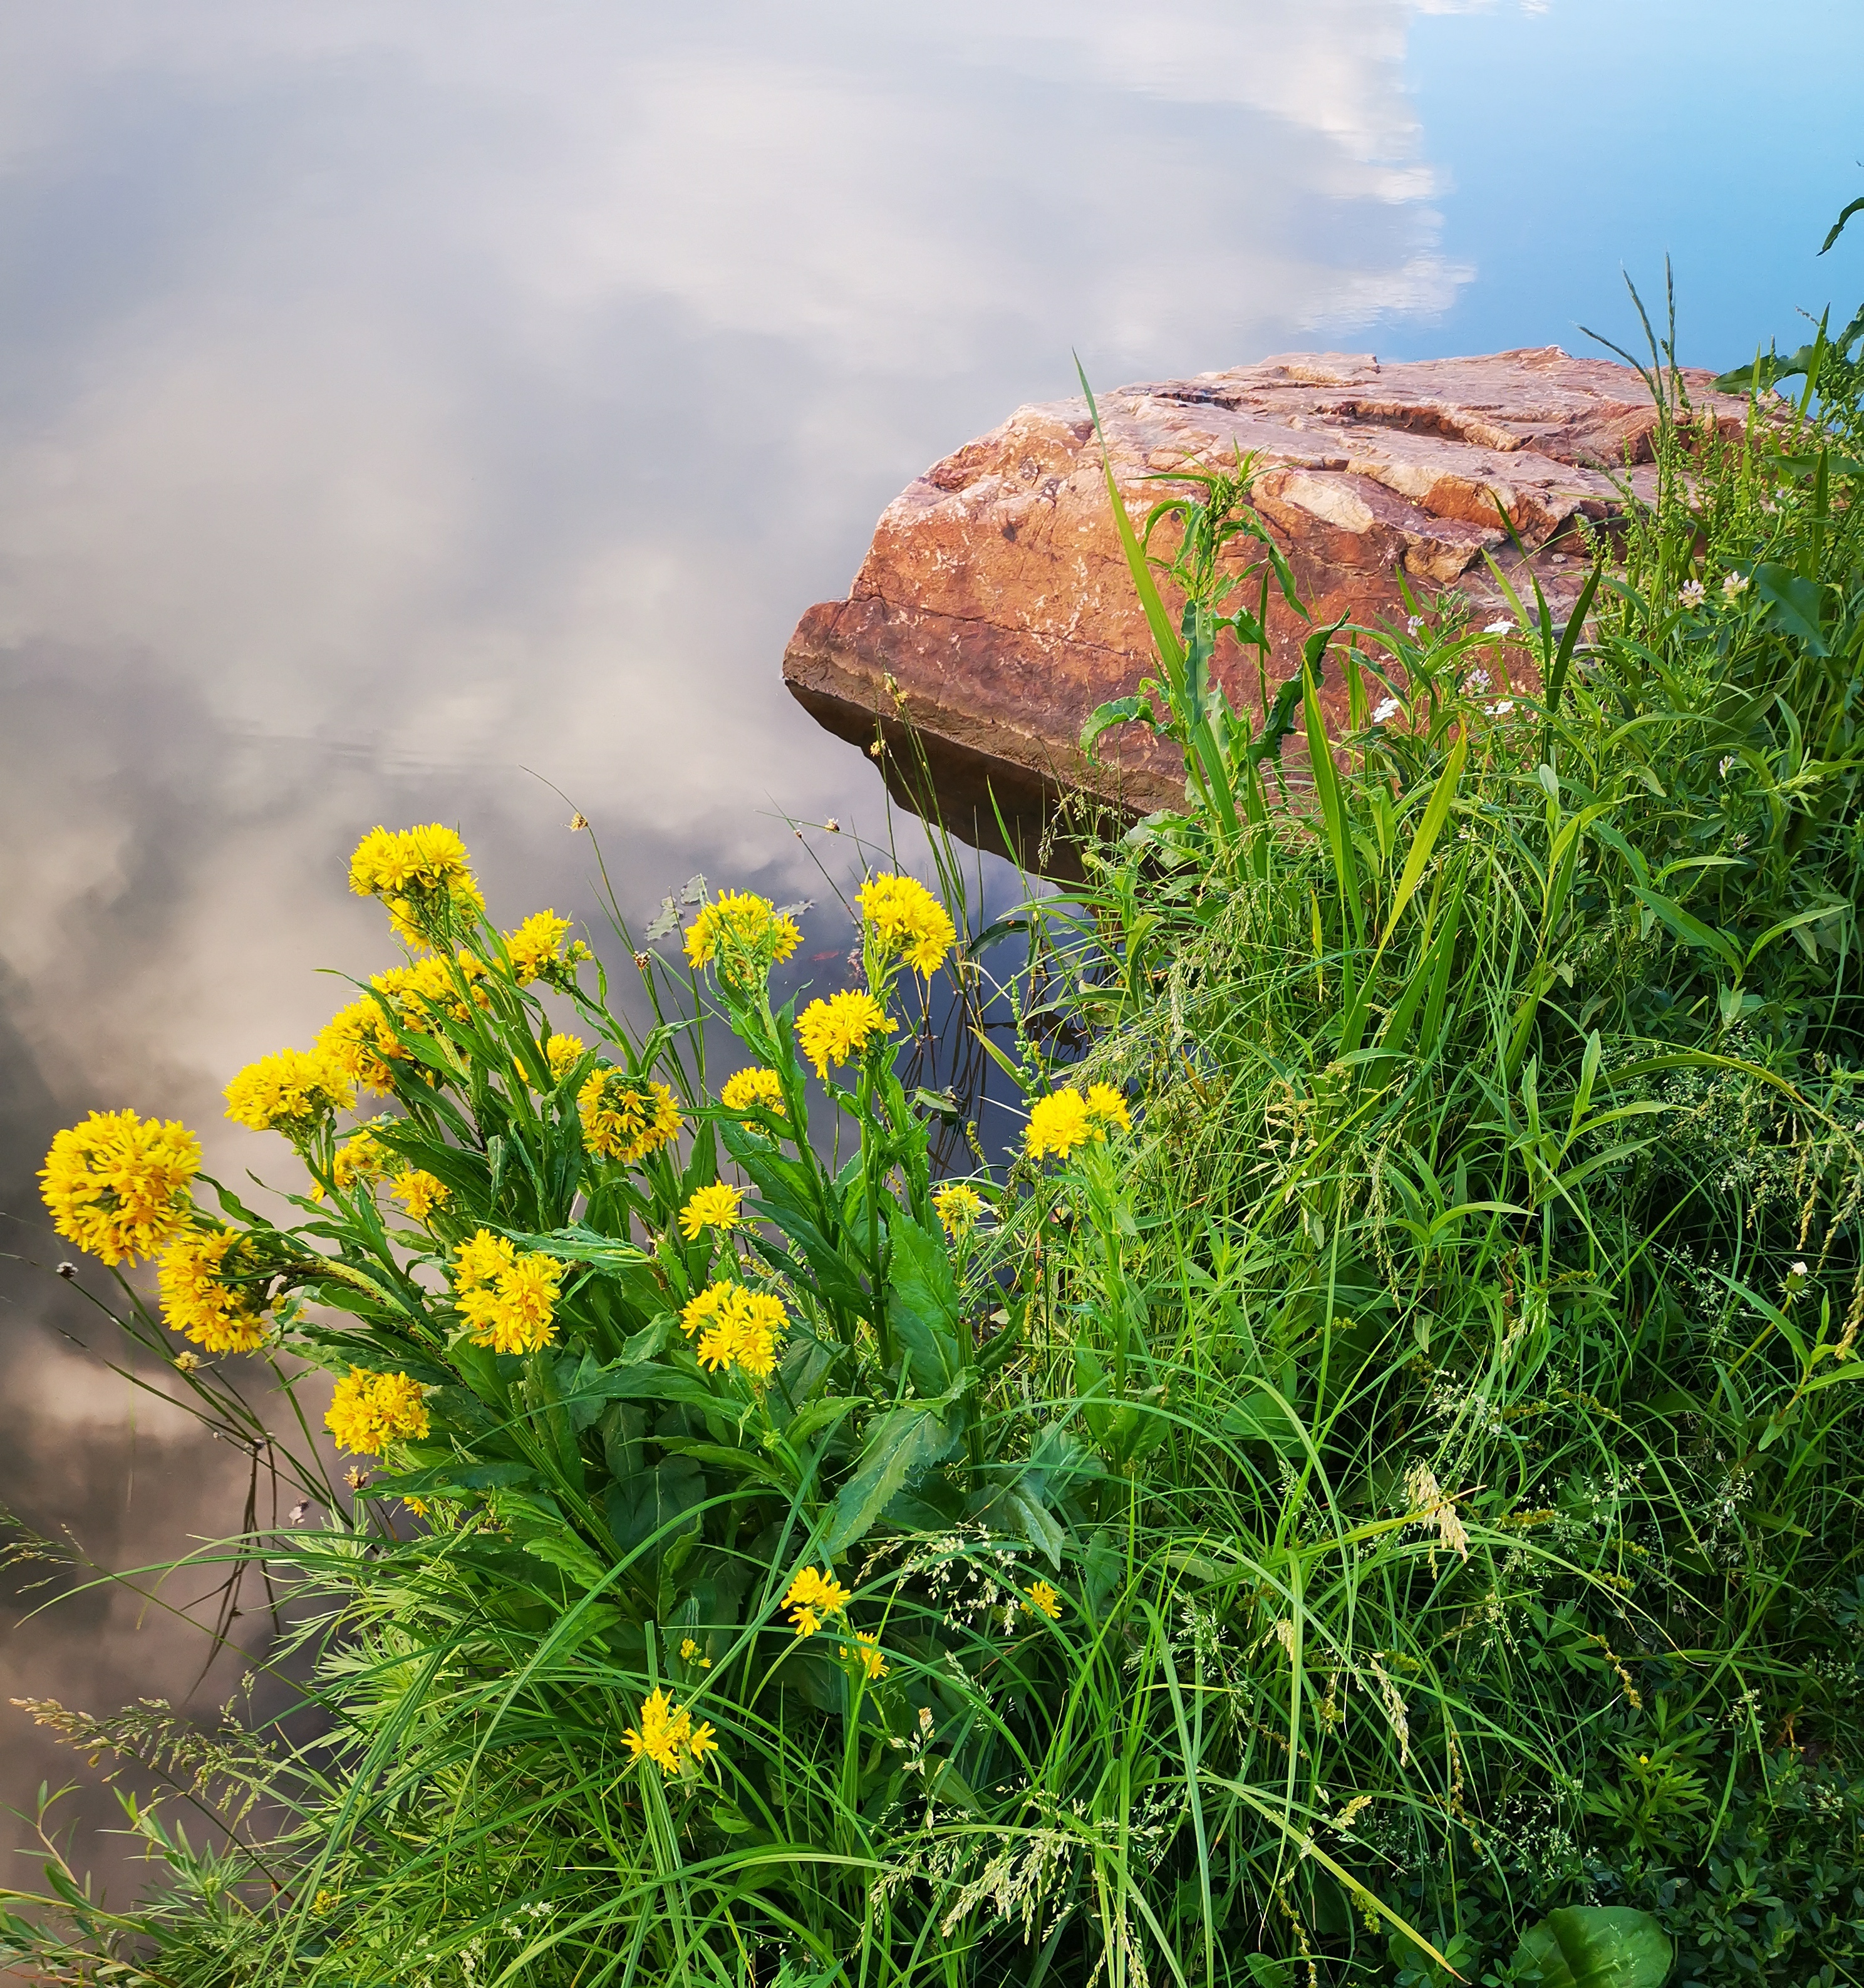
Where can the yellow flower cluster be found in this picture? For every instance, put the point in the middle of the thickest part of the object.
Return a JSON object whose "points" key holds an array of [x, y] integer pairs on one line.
{"points": [[909, 922], [740, 1328], [421, 1192], [116, 1185], [360, 1041], [957, 1207], [753, 1090], [415, 992], [508, 1300], [292, 1092], [212, 1290], [813, 1595], [362, 1157], [626, 1117], [422, 875], [667, 1733], [744, 933], [867, 1647], [833, 1031], [536, 949], [562, 1053], [1045, 1600], [713, 1207], [1065, 1119], [368, 1411]]}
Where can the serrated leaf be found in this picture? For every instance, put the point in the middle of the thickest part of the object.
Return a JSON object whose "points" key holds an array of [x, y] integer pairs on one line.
{"points": [[901, 1445], [448, 1480], [665, 919]]}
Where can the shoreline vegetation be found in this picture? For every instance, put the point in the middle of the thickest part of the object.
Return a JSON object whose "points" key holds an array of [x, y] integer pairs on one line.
{"points": [[1367, 1491]]}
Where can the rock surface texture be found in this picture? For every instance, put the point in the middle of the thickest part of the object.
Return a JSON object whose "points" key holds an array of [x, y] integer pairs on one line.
{"points": [[993, 611]]}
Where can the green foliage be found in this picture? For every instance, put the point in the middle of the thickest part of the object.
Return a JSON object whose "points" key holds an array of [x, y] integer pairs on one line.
{"points": [[1390, 1515]]}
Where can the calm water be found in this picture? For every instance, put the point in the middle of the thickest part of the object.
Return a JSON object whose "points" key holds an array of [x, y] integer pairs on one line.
{"points": [[401, 406]]}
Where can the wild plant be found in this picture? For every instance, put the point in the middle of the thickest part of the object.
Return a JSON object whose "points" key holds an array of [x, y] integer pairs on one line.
{"points": [[1372, 1467]]}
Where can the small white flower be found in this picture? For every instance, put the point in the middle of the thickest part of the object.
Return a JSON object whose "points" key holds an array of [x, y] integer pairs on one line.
{"points": [[1799, 1266], [1735, 585], [1414, 624], [1390, 708], [1500, 710], [1476, 682], [1724, 764], [1690, 592], [1503, 627]]}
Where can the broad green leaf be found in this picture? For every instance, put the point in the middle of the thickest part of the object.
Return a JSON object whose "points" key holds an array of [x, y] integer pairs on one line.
{"points": [[1121, 711], [1797, 604], [453, 1480], [653, 1504], [922, 1308], [900, 1445], [1595, 1947]]}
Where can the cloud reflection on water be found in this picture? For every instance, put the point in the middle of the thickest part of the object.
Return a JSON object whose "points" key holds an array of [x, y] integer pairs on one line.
{"points": [[400, 397]]}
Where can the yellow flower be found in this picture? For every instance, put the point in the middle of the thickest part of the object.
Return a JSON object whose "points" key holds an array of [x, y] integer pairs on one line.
{"points": [[909, 922], [1064, 1120], [368, 1411], [1057, 1125], [745, 935], [481, 1258], [361, 1158], [417, 992], [360, 1041], [1043, 1599], [688, 1649], [812, 1595], [117, 1184], [508, 1300], [562, 1053], [421, 1193], [867, 1647], [741, 1328], [626, 1117], [833, 1031], [957, 1207], [665, 1732], [213, 1290], [290, 1092], [753, 1090], [714, 1207], [535, 949], [1107, 1109], [422, 875]]}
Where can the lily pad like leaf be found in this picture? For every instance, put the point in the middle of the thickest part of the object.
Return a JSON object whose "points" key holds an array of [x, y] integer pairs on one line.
{"points": [[1595, 1947]]}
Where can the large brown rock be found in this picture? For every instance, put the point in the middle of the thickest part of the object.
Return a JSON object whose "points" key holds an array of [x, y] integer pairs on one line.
{"points": [[994, 610]]}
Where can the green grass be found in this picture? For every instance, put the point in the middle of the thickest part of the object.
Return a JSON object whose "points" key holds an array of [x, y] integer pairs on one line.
{"points": [[1435, 1416]]}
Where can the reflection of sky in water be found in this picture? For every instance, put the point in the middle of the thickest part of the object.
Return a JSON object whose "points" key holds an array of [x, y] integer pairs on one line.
{"points": [[392, 399]]}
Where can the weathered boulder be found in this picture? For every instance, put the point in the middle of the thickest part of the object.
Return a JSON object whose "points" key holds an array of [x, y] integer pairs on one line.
{"points": [[994, 611]]}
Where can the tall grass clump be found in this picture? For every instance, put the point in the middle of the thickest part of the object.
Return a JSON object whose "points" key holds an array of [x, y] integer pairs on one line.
{"points": [[1367, 1492]]}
